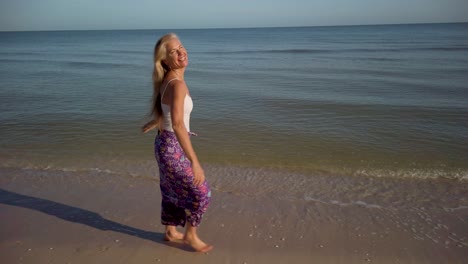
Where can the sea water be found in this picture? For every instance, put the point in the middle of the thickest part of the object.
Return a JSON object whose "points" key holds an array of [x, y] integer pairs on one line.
{"points": [[372, 101]]}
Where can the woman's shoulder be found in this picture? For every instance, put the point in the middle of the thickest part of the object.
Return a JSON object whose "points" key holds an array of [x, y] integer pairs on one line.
{"points": [[169, 81], [175, 87], [178, 85]]}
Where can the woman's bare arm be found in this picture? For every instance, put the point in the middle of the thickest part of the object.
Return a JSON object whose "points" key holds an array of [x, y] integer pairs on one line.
{"points": [[179, 91]]}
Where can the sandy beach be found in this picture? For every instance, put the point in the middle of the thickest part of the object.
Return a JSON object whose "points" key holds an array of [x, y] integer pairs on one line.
{"points": [[73, 217]]}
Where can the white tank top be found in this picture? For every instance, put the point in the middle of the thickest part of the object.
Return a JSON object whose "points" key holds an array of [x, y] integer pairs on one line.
{"points": [[167, 121]]}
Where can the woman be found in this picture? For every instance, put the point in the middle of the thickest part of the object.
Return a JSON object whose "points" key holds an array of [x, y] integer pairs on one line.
{"points": [[185, 193]]}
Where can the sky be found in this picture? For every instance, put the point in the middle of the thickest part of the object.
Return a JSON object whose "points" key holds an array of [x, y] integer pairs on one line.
{"points": [[20, 15]]}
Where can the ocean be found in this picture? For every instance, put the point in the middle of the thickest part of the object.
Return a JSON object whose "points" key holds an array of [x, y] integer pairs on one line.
{"points": [[314, 140], [384, 101]]}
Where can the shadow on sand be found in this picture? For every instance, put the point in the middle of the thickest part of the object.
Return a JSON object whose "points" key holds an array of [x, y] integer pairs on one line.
{"points": [[80, 216]]}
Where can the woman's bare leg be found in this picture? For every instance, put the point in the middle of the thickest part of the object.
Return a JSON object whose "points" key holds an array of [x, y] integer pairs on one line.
{"points": [[172, 234], [191, 238]]}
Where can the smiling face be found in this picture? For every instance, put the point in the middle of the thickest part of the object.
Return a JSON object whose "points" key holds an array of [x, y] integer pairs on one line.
{"points": [[176, 56]]}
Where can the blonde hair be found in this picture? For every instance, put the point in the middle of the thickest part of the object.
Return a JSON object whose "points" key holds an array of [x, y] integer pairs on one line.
{"points": [[159, 72]]}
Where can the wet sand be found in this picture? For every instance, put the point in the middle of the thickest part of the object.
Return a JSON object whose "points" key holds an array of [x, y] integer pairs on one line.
{"points": [[73, 217]]}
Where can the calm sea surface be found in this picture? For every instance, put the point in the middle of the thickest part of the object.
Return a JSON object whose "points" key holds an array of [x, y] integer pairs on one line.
{"points": [[379, 101]]}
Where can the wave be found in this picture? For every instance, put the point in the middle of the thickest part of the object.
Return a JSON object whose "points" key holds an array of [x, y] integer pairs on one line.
{"points": [[19, 53], [421, 174], [80, 64], [145, 170], [296, 51], [87, 64], [318, 51], [335, 190], [344, 204], [286, 51], [23, 60], [138, 52]]}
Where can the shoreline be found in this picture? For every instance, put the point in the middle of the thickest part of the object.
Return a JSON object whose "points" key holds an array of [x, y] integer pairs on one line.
{"points": [[81, 218]]}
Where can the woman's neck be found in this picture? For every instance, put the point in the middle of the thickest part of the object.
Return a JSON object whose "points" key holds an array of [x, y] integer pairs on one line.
{"points": [[177, 73]]}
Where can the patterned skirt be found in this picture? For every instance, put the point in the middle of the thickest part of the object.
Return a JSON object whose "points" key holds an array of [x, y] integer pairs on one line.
{"points": [[182, 201]]}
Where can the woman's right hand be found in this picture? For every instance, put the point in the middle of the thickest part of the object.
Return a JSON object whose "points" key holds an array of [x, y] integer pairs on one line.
{"points": [[149, 126]]}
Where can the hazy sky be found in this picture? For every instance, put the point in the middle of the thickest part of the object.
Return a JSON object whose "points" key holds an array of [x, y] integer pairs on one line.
{"points": [[156, 14]]}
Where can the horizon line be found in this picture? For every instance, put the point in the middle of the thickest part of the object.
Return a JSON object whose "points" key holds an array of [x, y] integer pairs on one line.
{"points": [[220, 28]]}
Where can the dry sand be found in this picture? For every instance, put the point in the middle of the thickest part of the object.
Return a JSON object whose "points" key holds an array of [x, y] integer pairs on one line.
{"points": [[68, 217]]}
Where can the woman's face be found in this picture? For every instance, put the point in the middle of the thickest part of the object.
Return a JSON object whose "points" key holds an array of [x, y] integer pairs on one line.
{"points": [[176, 56]]}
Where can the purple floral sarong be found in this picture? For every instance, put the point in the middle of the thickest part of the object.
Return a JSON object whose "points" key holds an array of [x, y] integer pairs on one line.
{"points": [[182, 201]]}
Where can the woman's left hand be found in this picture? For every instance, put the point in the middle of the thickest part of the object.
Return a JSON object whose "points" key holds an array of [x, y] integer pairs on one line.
{"points": [[198, 174]]}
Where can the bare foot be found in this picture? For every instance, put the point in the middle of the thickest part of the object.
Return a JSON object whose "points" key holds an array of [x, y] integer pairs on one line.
{"points": [[173, 236], [197, 244]]}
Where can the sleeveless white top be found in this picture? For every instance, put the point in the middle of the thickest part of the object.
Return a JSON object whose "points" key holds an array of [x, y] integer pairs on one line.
{"points": [[167, 121]]}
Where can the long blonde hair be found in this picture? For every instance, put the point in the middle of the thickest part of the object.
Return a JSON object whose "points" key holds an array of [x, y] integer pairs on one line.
{"points": [[159, 72]]}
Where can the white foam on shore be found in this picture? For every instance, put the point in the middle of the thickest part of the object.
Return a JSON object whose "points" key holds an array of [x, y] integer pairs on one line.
{"points": [[461, 207], [149, 167], [364, 191], [458, 174], [339, 203]]}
